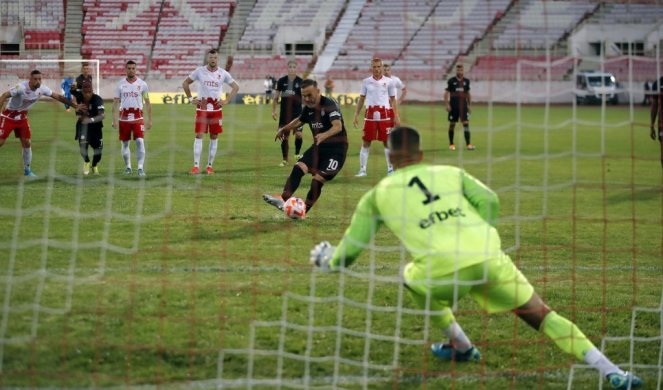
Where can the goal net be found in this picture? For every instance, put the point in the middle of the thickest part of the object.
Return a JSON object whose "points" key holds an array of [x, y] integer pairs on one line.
{"points": [[182, 281]]}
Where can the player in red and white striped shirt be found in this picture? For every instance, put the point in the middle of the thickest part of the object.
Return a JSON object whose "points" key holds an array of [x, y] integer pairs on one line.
{"points": [[380, 95], [209, 114], [129, 96], [14, 118]]}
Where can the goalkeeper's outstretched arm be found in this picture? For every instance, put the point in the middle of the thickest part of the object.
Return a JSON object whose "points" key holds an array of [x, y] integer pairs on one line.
{"points": [[365, 223]]}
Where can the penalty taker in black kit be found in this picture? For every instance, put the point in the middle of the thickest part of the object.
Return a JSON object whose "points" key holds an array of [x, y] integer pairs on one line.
{"points": [[325, 158]]}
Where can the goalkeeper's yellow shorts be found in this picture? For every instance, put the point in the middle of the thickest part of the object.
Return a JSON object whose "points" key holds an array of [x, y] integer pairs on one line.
{"points": [[497, 285]]}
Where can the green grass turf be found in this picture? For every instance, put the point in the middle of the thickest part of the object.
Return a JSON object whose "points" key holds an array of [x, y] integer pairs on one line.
{"points": [[113, 280]]}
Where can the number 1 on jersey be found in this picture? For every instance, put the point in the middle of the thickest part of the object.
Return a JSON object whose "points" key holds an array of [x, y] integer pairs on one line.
{"points": [[429, 197]]}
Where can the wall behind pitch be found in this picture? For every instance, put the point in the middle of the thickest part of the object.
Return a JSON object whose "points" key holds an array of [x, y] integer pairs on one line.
{"points": [[529, 92]]}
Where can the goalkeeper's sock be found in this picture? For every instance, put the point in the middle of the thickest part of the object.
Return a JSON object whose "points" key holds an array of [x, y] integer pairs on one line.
{"points": [[313, 193], [292, 183], [566, 335], [363, 158], [451, 136], [140, 152], [126, 154], [285, 148], [458, 338], [27, 157], [599, 361], [466, 132], [298, 144], [213, 146], [197, 150]]}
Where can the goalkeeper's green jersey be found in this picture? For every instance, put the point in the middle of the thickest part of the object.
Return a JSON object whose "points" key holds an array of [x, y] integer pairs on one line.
{"points": [[442, 215]]}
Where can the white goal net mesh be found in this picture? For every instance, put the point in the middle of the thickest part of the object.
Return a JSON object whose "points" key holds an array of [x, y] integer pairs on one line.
{"points": [[179, 280]]}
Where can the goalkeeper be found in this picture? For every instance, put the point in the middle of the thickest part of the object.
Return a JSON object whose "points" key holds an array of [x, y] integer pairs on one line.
{"points": [[446, 220]]}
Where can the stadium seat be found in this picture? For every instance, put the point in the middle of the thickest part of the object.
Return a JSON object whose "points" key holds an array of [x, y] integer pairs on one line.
{"points": [[119, 30]]}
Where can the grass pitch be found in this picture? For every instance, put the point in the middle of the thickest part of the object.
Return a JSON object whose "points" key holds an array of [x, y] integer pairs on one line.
{"points": [[172, 280]]}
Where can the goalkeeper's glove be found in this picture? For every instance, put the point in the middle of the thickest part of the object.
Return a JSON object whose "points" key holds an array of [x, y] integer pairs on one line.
{"points": [[321, 255]]}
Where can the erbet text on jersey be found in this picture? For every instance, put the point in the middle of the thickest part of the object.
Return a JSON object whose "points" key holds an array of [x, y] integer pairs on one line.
{"points": [[440, 216]]}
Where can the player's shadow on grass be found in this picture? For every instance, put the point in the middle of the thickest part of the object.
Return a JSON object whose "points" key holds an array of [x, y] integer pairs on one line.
{"points": [[261, 226], [638, 195], [14, 181], [429, 152], [253, 169], [345, 179]]}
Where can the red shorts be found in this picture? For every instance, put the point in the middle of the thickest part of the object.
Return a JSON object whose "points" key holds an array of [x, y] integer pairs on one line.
{"points": [[377, 123], [209, 121], [21, 128], [390, 115], [129, 128]]}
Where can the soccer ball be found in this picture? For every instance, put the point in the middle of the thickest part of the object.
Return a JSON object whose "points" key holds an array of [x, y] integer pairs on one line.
{"points": [[294, 208]]}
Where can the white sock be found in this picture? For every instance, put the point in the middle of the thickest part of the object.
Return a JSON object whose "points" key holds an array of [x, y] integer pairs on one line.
{"points": [[197, 151], [212, 151], [386, 155], [126, 154], [599, 361], [140, 152], [457, 337], [363, 158], [27, 157]]}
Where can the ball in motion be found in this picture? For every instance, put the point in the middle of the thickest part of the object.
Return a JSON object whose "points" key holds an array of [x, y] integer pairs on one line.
{"points": [[294, 208]]}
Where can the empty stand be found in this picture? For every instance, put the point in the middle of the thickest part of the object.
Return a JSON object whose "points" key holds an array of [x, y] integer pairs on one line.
{"points": [[187, 30], [634, 13], [180, 31], [422, 38], [116, 31], [259, 66], [42, 21], [450, 31], [21, 70], [311, 18], [541, 23], [383, 29], [531, 68]]}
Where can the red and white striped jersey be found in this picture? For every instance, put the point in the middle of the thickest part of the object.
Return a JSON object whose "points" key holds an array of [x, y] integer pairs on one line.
{"points": [[22, 97], [210, 86], [131, 94], [377, 92]]}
